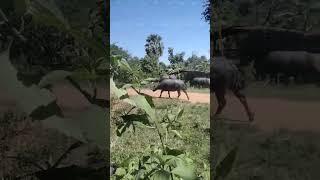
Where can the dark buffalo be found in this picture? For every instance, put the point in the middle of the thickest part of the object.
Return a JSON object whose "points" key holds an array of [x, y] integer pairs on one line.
{"points": [[226, 76], [297, 64], [188, 76], [172, 85], [200, 82]]}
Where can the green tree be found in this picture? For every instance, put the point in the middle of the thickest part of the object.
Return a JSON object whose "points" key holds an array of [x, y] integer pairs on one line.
{"points": [[154, 46], [197, 63], [136, 64], [154, 50], [175, 58], [162, 67], [119, 51], [150, 66]]}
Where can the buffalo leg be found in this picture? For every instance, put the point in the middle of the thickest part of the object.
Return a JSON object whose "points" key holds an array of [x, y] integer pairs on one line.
{"points": [[220, 95], [186, 93], [161, 93], [179, 93], [244, 102], [169, 94]]}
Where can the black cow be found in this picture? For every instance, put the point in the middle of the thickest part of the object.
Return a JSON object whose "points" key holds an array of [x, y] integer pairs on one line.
{"points": [[172, 85], [200, 82], [226, 76], [297, 64]]}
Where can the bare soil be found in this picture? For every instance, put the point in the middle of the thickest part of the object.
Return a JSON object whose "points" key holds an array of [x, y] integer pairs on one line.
{"points": [[273, 113], [270, 113], [194, 96]]}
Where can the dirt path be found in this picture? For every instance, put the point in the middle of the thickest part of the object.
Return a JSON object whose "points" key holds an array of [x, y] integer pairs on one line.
{"points": [[270, 113], [194, 97]]}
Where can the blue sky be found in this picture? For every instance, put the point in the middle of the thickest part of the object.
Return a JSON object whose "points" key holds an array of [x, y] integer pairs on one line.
{"points": [[178, 22]]}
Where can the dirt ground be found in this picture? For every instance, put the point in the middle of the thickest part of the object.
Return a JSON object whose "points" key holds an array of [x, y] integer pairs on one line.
{"points": [[270, 113], [194, 97]]}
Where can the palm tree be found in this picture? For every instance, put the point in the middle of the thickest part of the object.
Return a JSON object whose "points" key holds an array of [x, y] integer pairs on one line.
{"points": [[154, 46]]}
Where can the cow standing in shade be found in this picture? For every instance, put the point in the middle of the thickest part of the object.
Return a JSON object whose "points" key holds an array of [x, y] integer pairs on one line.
{"points": [[225, 75], [301, 65], [172, 85], [201, 82]]}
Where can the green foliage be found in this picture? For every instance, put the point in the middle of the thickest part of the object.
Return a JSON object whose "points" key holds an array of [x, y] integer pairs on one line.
{"points": [[123, 75], [175, 58], [35, 97], [291, 14], [82, 127], [28, 98], [197, 63], [35, 22], [53, 77], [163, 162], [154, 46], [225, 166]]}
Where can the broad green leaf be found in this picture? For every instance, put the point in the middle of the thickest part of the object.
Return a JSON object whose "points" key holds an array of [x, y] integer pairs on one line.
{"points": [[120, 172], [69, 127], [126, 86], [140, 124], [122, 128], [185, 171], [44, 112], [143, 118], [28, 98], [150, 100], [123, 64], [174, 152], [176, 133], [53, 77], [180, 114], [171, 117], [133, 166], [130, 101], [47, 12], [143, 104], [120, 93], [160, 175], [167, 158], [225, 166], [88, 126]]}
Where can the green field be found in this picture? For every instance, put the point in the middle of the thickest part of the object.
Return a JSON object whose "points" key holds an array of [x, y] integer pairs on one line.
{"points": [[281, 155], [194, 130]]}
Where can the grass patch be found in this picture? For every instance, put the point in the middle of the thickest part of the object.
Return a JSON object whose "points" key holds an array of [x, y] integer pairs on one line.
{"points": [[194, 131], [281, 154]]}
